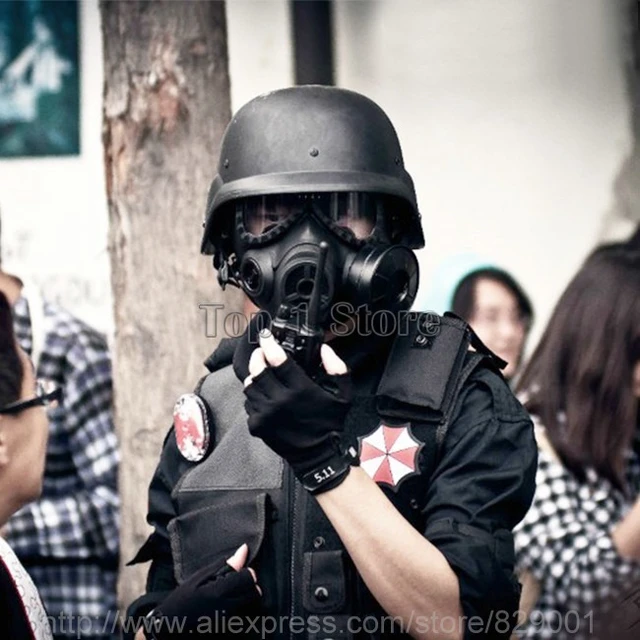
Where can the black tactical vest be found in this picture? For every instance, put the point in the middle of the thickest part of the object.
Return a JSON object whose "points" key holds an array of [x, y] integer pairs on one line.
{"points": [[243, 492]]}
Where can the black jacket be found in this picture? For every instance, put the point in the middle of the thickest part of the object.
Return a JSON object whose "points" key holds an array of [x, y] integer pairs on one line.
{"points": [[468, 496]]}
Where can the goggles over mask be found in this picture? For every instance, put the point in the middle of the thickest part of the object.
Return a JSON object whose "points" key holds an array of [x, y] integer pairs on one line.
{"points": [[354, 217]]}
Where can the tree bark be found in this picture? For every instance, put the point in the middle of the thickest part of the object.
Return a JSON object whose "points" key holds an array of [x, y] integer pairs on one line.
{"points": [[166, 103]]}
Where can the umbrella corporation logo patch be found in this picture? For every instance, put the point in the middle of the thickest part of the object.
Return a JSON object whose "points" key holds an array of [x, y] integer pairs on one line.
{"points": [[389, 455]]}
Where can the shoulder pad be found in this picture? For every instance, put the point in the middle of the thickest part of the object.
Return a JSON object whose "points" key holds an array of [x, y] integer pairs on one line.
{"points": [[427, 366]]}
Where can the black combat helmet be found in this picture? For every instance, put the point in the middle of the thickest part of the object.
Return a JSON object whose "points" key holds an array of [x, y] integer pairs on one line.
{"points": [[311, 139]]}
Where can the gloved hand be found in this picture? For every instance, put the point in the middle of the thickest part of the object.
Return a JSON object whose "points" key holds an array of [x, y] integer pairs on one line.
{"points": [[297, 418], [201, 604]]}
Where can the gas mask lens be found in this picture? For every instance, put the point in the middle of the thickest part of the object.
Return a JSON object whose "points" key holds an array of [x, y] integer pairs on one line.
{"points": [[353, 212], [353, 215], [262, 214]]}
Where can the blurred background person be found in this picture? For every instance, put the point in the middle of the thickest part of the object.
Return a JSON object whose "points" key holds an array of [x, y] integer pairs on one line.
{"points": [[23, 442], [489, 299], [499, 311], [579, 545], [68, 539]]}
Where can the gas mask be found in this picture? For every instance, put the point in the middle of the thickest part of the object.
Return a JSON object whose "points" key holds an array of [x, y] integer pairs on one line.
{"points": [[276, 249]]}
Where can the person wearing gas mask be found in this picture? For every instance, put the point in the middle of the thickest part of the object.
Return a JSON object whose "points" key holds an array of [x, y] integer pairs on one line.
{"points": [[374, 473]]}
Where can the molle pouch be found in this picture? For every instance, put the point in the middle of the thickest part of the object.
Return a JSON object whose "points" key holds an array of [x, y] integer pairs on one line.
{"points": [[325, 594], [214, 532], [324, 581], [420, 381]]}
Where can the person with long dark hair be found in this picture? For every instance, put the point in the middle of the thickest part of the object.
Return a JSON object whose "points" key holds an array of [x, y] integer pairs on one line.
{"points": [[578, 548], [23, 442]]}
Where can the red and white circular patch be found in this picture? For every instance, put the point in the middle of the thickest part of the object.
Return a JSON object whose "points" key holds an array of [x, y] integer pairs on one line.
{"points": [[191, 425], [390, 454]]}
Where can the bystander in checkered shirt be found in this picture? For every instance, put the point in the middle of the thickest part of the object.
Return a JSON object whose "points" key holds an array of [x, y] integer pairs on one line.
{"points": [[68, 539], [565, 543]]}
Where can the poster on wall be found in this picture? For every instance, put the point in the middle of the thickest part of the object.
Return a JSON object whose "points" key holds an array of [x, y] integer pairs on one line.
{"points": [[39, 78]]}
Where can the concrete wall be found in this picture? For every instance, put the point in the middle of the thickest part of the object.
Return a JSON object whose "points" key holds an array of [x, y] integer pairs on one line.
{"points": [[513, 118], [260, 48]]}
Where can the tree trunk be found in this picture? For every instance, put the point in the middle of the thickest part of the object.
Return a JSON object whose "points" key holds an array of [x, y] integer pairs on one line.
{"points": [[166, 103]]}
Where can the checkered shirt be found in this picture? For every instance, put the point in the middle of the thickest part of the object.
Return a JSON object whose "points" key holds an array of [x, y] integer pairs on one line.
{"points": [[68, 539], [565, 542]]}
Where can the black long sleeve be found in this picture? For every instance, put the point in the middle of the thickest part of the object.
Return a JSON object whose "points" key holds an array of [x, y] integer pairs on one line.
{"points": [[482, 487]]}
